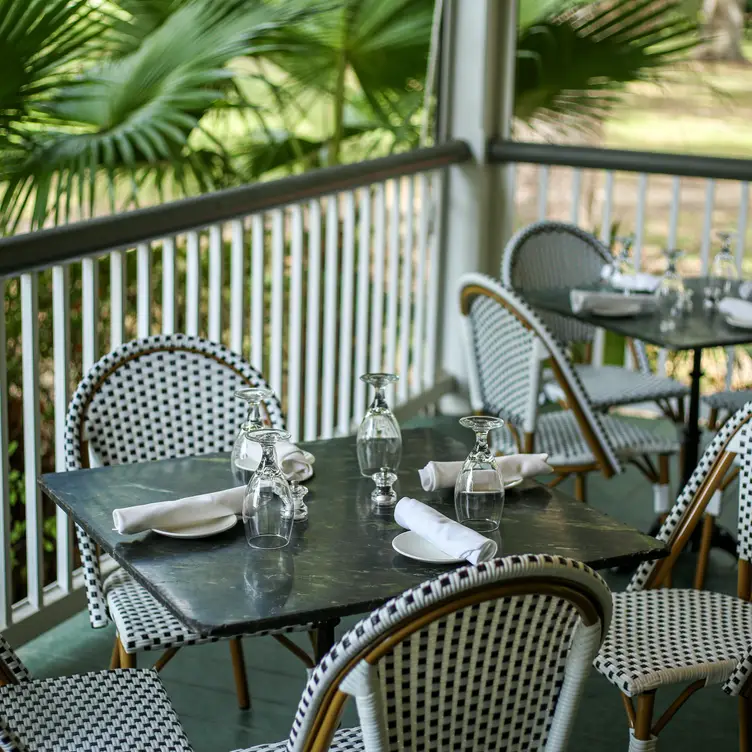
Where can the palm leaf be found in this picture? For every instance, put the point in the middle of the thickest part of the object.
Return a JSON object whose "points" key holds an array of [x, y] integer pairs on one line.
{"points": [[577, 63]]}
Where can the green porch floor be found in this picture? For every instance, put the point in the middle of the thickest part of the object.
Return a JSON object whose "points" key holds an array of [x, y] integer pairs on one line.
{"points": [[200, 684]]}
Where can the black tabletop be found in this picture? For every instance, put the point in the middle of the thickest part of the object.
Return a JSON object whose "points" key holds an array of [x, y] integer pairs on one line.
{"points": [[695, 331], [340, 560]]}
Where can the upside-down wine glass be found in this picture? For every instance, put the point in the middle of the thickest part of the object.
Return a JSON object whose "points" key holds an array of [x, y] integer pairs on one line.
{"points": [[624, 263], [242, 457], [268, 507], [671, 292], [723, 270], [379, 442], [479, 489]]}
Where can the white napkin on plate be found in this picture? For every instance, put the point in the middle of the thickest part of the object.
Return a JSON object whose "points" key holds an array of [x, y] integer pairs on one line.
{"points": [[639, 282], [447, 535], [587, 300], [736, 308], [179, 513], [437, 475], [296, 463]]}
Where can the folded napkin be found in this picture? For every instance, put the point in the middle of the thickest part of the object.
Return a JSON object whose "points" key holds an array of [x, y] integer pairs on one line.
{"points": [[640, 282], [296, 463], [437, 475], [736, 308], [179, 513], [745, 290], [447, 535], [587, 300]]}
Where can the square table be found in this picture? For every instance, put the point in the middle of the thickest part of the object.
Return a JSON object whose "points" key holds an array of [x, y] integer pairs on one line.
{"points": [[340, 561], [695, 331]]}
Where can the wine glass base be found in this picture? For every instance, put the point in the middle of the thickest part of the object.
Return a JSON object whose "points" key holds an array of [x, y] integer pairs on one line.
{"points": [[481, 525], [267, 541]]}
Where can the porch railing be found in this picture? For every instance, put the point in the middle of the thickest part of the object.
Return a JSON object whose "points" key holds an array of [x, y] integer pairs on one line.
{"points": [[667, 200], [314, 278]]}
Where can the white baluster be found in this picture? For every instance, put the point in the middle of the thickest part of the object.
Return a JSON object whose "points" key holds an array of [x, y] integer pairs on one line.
{"points": [[257, 292], [6, 582], [364, 275], [574, 217], [143, 285], [707, 226], [215, 283], [312, 321], [89, 312], [294, 360], [429, 373], [61, 377], [345, 355], [406, 304], [330, 317], [192, 283], [169, 290], [237, 273], [117, 297], [392, 292], [31, 420], [419, 336], [377, 299], [278, 291], [543, 175]]}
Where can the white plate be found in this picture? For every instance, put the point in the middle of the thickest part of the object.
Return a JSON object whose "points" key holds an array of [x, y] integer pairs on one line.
{"points": [[202, 529], [616, 310], [410, 544], [513, 483], [739, 323]]}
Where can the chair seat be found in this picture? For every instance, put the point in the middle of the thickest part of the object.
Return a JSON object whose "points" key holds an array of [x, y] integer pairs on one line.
{"points": [[730, 401], [661, 637], [143, 623], [345, 740], [558, 435], [610, 386], [101, 710]]}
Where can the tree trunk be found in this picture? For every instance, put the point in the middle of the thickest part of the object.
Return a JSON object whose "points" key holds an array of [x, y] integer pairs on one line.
{"points": [[723, 29]]}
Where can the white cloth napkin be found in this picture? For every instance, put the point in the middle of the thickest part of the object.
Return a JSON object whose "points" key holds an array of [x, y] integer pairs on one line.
{"points": [[639, 282], [179, 513], [447, 535], [295, 463], [586, 300], [736, 308], [745, 290], [513, 467]]}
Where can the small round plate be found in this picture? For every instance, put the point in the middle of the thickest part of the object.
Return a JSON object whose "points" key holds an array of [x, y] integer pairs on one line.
{"points": [[410, 544], [202, 529], [617, 309], [513, 483], [739, 323]]}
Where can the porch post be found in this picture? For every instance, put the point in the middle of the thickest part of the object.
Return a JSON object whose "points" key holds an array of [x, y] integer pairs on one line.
{"points": [[476, 104]]}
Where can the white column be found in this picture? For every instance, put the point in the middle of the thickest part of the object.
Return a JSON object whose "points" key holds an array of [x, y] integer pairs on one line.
{"points": [[475, 217]]}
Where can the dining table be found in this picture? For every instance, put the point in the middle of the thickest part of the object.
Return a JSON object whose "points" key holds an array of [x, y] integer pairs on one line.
{"points": [[695, 331], [340, 561]]}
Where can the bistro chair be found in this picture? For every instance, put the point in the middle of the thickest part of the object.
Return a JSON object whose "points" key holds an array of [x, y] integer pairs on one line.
{"points": [[661, 637], [507, 341], [487, 657], [724, 404], [556, 254], [160, 397], [102, 710]]}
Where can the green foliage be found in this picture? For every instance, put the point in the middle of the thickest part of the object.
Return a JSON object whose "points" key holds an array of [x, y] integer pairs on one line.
{"points": [[572, 67]]}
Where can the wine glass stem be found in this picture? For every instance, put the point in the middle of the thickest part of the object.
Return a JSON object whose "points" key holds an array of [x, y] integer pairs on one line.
{"points": [[254, 413], [481, 444], [379, 399], [268, 457]]}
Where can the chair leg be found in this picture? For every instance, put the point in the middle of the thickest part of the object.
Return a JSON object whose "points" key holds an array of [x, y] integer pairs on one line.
{"points": [[713, 419], [580, 490], [238, 669], [706, 539], [661, 489], [127, 660], [115, 657], [745, 732], [641, 738]]}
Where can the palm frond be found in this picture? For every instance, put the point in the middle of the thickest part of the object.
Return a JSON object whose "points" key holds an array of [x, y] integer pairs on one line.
{"points": [[578, 62]]}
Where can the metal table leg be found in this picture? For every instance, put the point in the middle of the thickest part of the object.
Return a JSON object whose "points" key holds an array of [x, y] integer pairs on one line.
{"points": [[324, 639], [692, 429]]}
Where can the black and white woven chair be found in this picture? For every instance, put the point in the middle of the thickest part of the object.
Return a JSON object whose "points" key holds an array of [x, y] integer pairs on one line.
{"points": [[724, 404], [507, 341], [663, 637], [103, 710], [159, 397], [486, 657], [557, 254]]}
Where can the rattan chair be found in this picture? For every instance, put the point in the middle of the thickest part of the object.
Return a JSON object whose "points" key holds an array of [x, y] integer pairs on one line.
{"points": [[487, 657], [159, 397], [507, 341], [116, 711], [663, 637], [556, 254], [724, 404]]}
